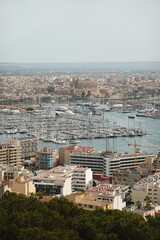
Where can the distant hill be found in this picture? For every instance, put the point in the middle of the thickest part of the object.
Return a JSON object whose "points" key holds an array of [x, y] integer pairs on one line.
{"points": [[105, 66]]}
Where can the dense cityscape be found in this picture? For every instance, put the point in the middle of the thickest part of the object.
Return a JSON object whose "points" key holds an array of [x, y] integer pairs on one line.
{"points": [[64, 109], [79, 120]]}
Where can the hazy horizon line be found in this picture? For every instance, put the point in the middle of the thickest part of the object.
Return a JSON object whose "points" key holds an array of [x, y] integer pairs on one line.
{"points": [[80, 62]]}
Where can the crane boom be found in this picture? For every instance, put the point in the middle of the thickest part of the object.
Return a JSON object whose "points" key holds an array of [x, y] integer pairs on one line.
{"points": [[138, 145], [135, 150]]}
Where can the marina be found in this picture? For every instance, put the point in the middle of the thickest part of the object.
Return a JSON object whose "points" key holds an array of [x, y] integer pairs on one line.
{"points": [[111, 130]]}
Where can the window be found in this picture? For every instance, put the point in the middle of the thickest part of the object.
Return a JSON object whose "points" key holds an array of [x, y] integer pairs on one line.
{"points": [[90, 206]]}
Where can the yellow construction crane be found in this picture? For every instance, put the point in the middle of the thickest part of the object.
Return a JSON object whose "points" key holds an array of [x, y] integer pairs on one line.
{"points": [[135, 149]]}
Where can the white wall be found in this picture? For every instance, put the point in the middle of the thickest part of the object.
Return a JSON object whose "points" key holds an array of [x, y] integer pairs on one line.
{"points": [[89, 176], [118, 202], [67, 189]]}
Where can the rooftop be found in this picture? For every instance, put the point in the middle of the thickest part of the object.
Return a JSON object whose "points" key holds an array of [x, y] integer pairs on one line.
{"points": [[78, 148], [151, 180]]}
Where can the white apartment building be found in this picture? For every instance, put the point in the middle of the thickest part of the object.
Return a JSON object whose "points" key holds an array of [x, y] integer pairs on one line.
{"points": [[109, 193], [149, 186], [105, 162], [81, 178], [62, 180]]}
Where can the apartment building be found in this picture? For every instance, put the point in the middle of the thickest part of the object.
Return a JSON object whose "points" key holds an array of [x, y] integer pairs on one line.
{"points": [[64, 153], [23, 186], [46, 158], [63, 180], [149, 186], [10, 154], [88, 202], [29, 145], [150, 167], [53, 182], [106, 196], [126, 177], [107, 162], [81, 178], [8, 172]]}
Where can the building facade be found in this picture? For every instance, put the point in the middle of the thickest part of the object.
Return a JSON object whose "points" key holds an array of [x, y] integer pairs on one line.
{"points": [[8, 172], [106, 196], [81, 179], [23, 186], [29, 145], [126, 177], [149, 186], [64, 153], [10, 155], [62, 180], [94, 161], [46, 158], [107, 162]]}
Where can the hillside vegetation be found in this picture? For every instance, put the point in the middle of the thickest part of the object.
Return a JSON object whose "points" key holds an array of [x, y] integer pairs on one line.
{"points": [[27, 218]]}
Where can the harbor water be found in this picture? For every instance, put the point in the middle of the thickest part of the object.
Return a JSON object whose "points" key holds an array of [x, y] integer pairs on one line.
{"points": [[120, 144]]}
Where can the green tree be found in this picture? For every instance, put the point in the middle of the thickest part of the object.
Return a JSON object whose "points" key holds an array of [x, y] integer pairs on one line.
{"points": [[139, 205], [148, 202]]}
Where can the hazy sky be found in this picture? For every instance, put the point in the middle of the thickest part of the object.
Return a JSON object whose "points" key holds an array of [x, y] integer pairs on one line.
{"points": [[79, 30]]}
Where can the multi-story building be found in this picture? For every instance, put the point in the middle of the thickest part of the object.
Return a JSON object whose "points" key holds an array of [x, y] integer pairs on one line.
{"points": [[107, 162], [12, 172], [46, 158], [23, 186], [149, 186], [29, 145], [81, 178], [126, 177], [62, 180], [10, 154], [150, 167], [94, 161], [88, 202], [64, 152], [106, 196], [53, 182]]}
